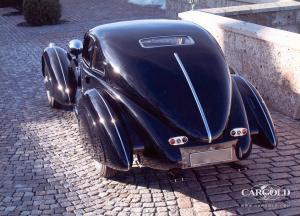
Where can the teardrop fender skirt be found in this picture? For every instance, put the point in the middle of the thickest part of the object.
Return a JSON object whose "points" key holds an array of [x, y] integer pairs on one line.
{"points": [[58, 77], [238, 119], [260, 121], [105, 130]]}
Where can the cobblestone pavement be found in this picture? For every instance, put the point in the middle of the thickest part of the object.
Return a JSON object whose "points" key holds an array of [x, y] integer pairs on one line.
{"points": [[44, 169]]}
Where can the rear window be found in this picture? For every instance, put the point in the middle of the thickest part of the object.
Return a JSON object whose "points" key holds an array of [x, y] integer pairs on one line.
{"points": [[163, 41]]}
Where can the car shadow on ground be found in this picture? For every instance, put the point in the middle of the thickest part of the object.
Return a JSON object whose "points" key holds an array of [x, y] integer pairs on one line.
{"points": [[44, 167], [204, 189]]}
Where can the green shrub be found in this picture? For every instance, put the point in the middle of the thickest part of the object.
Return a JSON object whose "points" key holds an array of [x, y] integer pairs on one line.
{"points": [[18, 4], [4, 3], [41, 12]]}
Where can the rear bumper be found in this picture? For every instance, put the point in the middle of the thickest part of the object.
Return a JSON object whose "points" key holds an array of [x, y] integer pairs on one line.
{"points": [[196, 156], [207, 155]]}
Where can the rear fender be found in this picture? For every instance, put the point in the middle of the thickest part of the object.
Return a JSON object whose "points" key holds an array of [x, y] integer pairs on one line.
{"points": [[61, 81], [261, 124], [103, 119], [239, 119]]}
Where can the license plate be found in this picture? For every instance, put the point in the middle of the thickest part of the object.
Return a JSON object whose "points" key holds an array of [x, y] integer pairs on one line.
{"points": [[211, 157]]}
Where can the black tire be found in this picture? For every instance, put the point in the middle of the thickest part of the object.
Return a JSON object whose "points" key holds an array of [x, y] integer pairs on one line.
{"points": [[93, 144], [52, 102], [106, 171], [237, 149]]}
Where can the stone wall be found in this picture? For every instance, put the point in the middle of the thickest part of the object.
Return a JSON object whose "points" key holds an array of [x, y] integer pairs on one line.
{"points": [[267, 57], [173, 7], [282, 15]]}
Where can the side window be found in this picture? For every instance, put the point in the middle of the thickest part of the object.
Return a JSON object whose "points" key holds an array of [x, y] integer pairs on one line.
{"points": [[87, 52], [98, 60]]}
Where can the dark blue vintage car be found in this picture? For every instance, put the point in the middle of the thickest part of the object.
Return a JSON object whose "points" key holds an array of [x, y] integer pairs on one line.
{"points": [[156, 93]]}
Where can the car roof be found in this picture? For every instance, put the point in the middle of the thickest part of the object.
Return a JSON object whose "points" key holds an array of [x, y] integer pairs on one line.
{"points": [[129, 33]]}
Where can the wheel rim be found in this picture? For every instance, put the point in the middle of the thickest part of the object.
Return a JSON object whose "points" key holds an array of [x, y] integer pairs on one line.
{"points": [[47, 82], [98, 165], [49, 96]]}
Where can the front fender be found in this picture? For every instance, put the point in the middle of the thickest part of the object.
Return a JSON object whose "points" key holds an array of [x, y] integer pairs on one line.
{"points": [[61, 81], [260, 121], [103, 120]]}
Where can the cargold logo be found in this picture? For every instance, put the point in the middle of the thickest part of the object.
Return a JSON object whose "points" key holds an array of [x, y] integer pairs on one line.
{"points": [[266, 192]]}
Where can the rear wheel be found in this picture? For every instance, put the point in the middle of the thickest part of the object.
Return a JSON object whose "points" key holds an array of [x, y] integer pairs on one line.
{"points": [[52, 102], [94, 146], [239, 153], [106, 171]]}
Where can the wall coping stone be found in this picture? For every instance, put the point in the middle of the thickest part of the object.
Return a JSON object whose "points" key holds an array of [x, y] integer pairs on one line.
{"points": [[277, 36], [254, 8], [260, 1]]}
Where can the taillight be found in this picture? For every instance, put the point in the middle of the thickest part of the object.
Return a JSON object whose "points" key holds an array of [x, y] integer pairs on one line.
{"points": [[232, 133], [236, 132], [172, 141], [180, 140], [185, 139]]}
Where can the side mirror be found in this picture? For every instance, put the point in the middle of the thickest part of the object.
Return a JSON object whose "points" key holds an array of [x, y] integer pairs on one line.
{"points": [[75, 47]]}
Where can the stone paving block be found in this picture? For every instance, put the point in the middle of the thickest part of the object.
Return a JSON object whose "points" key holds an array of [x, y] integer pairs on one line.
{"points": [[249, 210], [288, 211], [218, 190], [224, 204], [187, 212], [264, 213], [184, 202], [219, 197], [228, 212], [279, 175]]}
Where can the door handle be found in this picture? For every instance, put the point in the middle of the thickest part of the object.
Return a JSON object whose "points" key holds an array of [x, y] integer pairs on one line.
{"points": [[87, 79]]}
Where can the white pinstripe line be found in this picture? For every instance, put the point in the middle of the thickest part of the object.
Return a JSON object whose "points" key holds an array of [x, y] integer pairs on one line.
{"points": [[195, 97], [251, 86], [62, 71], [115, 127]]}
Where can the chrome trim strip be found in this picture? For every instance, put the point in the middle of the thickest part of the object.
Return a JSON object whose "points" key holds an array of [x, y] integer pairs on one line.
{"points": [[115, 128], [142, 45], [62, 71], [251, 86], [195, 97]]}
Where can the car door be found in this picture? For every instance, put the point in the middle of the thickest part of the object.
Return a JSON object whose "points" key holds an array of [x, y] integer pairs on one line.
{"points": [[87, 54], [98, 66], [93, 66]]}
